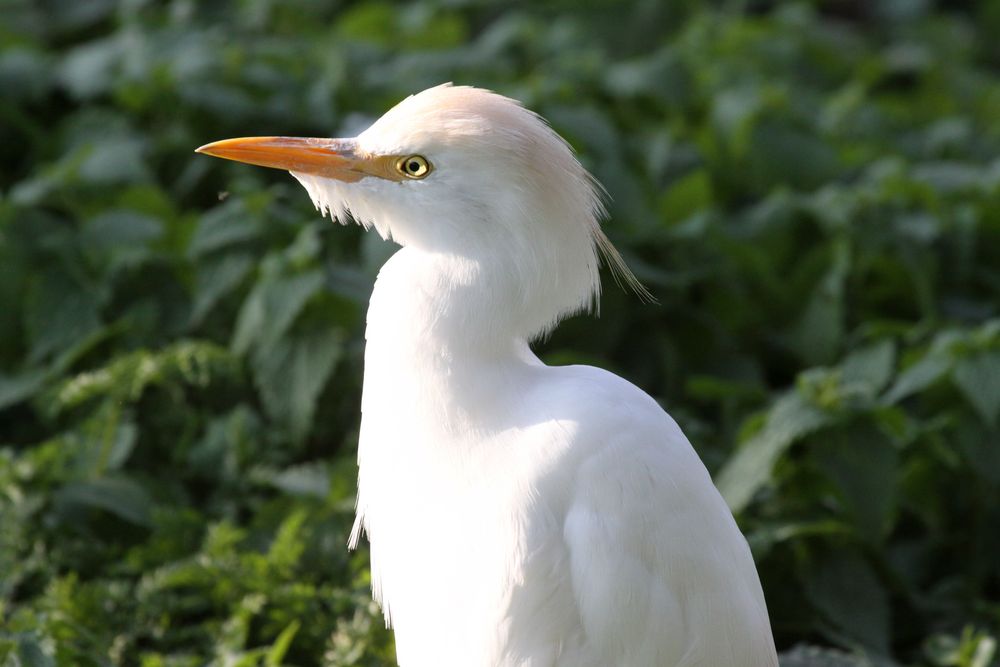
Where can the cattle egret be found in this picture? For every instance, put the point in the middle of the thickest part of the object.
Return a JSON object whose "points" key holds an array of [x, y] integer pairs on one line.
{"points": [[518, 513]]}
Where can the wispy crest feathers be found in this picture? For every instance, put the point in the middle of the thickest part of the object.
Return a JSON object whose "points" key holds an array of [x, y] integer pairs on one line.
{"points": [[502, 113]]}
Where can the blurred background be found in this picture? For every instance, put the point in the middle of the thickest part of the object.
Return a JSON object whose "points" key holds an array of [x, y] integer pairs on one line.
{"points": [[811, 190]]}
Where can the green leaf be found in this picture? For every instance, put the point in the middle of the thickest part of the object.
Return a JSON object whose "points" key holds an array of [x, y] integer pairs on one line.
{"points": [[193, 363], [818, 334], [307, 480], [59, 312], [291, 373], [288, 545], [117, 228], [845, 589], [271, 308], [864, 466], [687, 196], [215, 279], [225, 225], [31, 654], [25, 73], [931, 368], [281, 645], [870, 366], [734, 113], [783, 153], [122, 446], [114, 160], [370, 21], [972, 649], [766, 537], [749, 469], [87, 71], [978, 378], [815, 656], [949, 177], [119, 496], [20, 387]]}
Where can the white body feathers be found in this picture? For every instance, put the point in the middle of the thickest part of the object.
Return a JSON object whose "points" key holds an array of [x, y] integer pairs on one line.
{"points": [[525, 515], [519, 514]]}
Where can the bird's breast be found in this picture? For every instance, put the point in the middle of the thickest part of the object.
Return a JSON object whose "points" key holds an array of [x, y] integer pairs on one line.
{"points": [[462, 513]]}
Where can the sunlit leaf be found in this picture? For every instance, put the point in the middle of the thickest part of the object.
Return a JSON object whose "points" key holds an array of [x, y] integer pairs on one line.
{"points": [[303, 480], [116, 495], [750, 467], [917, 377], [871, 366], [280, 647], [225, 225], [88, 70], [815, 656], [16, 388], [291, 373], [978, 377], [271, 308], [687, 196], [217, 278], [30, 653]]}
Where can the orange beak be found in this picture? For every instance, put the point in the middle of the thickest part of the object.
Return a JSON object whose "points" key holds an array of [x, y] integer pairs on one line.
{"points": [[330, 158]]}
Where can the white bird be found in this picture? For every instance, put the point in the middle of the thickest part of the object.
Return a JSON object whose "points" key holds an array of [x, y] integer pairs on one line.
{"points": [[518, 513]]}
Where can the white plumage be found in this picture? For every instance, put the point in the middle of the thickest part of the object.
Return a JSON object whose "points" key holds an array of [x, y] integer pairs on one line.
{"points": [[518, 514]]}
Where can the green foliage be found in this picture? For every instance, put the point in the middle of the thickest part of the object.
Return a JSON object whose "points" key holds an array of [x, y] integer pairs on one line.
{"points": [[810, 189]]}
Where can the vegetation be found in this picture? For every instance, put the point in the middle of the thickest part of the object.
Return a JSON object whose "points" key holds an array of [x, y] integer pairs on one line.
{"points": [[810, 189]]}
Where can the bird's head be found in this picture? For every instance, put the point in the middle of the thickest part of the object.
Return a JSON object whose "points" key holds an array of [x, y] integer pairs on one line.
{"points": [[465, 172]]}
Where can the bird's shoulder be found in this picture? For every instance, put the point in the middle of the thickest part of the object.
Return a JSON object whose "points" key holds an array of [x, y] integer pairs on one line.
{"points": [[593, 386], [602, 410], [618, 433], [617, 450]]}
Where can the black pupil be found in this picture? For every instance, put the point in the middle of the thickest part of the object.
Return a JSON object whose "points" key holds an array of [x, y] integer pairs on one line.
{"points": [[413, 166]]}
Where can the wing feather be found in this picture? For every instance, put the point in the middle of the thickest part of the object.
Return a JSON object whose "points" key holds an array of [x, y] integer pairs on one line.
{"points": [[660, 572]]}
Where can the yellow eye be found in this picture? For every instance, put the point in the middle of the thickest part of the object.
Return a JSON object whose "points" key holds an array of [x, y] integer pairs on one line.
{"points": [[413, 166]]}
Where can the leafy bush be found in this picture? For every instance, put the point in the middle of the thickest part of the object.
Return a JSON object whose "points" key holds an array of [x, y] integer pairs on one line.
{"points": [[811, 190]]}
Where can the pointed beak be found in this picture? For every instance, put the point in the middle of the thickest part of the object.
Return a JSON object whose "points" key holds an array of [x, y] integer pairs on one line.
{"points": [[330, 158]]}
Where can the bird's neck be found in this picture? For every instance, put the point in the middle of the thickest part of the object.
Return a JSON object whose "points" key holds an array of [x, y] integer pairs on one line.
{"points": [[442, 338], [428, 306]]}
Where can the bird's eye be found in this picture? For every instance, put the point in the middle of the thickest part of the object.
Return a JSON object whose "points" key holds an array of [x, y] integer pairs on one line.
{"points": [[413, 166]]}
